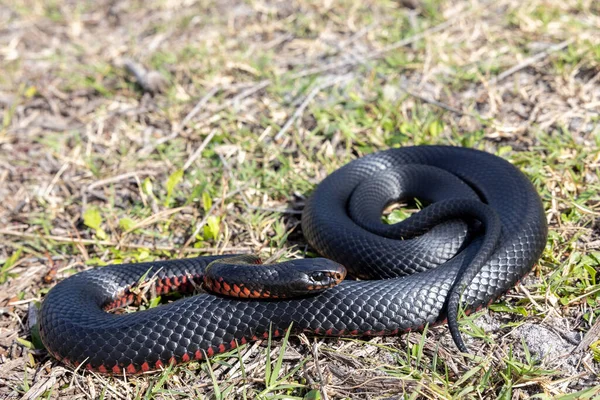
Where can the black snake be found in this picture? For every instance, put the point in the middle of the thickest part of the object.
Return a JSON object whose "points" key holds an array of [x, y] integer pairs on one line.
{"points": [[485, 225]]}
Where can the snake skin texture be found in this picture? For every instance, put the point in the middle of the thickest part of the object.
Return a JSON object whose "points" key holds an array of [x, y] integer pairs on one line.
{"points": [[404, 284]]}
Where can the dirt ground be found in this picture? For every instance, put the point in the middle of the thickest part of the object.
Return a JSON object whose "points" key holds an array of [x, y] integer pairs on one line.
{"points": [[136, 131]]}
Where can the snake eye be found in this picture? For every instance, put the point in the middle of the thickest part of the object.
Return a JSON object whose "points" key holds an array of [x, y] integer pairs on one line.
{"points": [[318, 276]]}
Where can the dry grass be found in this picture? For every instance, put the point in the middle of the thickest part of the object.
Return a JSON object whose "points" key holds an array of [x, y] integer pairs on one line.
{"points": [[261, 101]]}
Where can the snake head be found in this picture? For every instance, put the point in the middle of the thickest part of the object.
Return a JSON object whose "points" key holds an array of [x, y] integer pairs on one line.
{"points": [[319, 274]]}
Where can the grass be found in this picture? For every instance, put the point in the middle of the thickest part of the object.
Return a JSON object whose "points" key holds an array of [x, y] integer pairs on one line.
{"points": [[95, 171]]}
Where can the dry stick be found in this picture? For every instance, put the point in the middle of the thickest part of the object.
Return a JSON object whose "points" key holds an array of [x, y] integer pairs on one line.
{"points": [[389, 379], [355, 36], [37, 390], [277, 41], [418, 36], [201, 103], [246, 93], [339, 47], [300, 110], [90, 188], [322, 384], [199, 150], [592, 335], [235, 365], [531, 60], [55, 179], [193, 112], [231, 102], [438, 103], [118, 178]]}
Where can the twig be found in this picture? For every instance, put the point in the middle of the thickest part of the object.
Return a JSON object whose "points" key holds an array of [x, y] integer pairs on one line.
{"points": [[322, 383], [257, 87], [193, 112], [531, 60], [592, 335], [55, 179], [427, 99], [300, 110], [198, 107], [277, 41], [44, 384], [235, 365], [118, 178], [199, 150], [437, 103], [90, 188], [355, 36], [530, 297], [246, 93]]}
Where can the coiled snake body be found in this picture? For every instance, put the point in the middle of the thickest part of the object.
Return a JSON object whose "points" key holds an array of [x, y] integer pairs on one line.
{"points": [[404, 284]]}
